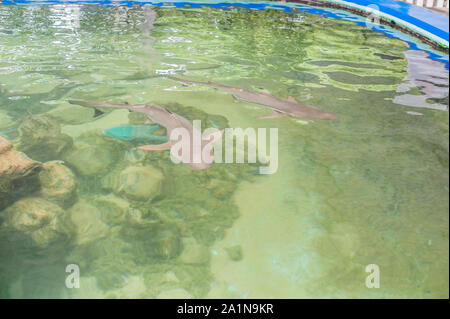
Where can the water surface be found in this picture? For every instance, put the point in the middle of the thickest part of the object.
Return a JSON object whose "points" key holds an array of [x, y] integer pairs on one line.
{"points": [[369, 188]]}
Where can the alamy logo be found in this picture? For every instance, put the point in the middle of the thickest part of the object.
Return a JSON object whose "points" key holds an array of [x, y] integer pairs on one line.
{"points": [[373, 280], [73, 279], [195, 148]]}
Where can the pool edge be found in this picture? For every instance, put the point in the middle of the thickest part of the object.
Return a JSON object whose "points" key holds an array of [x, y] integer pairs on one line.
{"points": [[425, 36]]}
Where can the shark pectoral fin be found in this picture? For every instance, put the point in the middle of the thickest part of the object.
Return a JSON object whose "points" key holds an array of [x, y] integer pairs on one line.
{"points": [[275, 115], [291, 99], [158, 147]]}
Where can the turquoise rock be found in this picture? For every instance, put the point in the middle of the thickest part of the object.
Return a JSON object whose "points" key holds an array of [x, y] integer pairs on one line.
{"points": [[142, 134]]}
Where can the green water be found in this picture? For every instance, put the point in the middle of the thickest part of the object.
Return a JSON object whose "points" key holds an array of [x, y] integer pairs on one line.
{"points": [[369, 188]]}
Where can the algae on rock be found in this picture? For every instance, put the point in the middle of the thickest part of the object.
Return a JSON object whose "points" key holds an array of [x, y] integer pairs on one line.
{"points": [[42, 140]]}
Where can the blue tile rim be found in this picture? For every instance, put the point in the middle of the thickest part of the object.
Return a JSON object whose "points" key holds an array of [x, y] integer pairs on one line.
{"points": [[430, 28], [423, 23]]}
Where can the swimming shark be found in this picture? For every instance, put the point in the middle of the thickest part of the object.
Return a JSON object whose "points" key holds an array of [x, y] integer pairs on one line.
{"points": [[171, 121], [281, 107]]}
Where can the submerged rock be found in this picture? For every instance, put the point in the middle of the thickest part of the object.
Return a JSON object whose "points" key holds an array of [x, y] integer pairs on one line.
{"points": [[58, 183], [235, 252], [194, 254], [140, 182], [110, 182], [94, 154], [113, 209], [47, 149], [154, 244], [135, 219], [90, 159], [220, 189], [87, 221], [167, 244], [42, 140], [39, 126], [111, 279], [38, 219], [170, 276], [16, 170]]}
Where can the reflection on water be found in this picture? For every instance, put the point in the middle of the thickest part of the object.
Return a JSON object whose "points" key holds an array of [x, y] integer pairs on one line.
{"points": [[430, 77], [370, 188]]}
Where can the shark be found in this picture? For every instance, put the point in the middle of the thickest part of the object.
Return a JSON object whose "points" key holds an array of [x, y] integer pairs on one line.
{"points": [[281, 107], [172, 122]]}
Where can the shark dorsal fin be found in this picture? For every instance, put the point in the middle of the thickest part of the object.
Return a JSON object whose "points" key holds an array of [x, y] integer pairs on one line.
{"points": [[97, 112]]}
